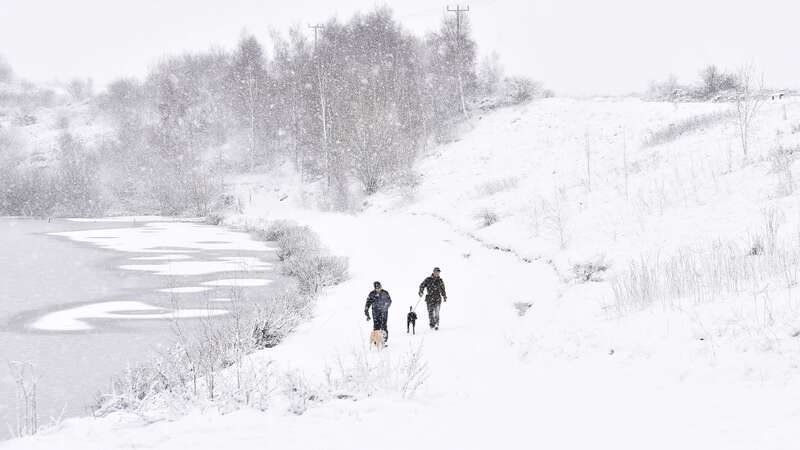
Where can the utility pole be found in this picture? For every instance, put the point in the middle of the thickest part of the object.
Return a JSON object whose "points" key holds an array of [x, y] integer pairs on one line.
{"points": [[317, 29], [458, 11]]}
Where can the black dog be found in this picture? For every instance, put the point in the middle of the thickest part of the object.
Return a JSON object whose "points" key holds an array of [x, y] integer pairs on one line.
{"points": [[411, 321]]}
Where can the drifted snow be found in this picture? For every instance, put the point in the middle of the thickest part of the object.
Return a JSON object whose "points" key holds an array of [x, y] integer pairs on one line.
{"points": [[160, 237], [238, 264], [161, 258], [76, 319], [238, 282], [185, 290]]}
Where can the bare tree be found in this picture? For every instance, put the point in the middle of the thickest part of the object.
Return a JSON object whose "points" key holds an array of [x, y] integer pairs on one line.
{"points": [[748, 103]]}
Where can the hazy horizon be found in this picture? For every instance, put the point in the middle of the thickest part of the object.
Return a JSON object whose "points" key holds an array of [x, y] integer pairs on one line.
{"points": [[574, 47]]}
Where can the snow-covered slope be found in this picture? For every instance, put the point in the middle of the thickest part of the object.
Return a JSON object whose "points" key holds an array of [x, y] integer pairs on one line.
{"points": [[573, 371], [33, 117]]}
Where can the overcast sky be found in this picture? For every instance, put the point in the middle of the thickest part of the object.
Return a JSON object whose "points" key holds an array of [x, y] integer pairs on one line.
{"points": [[573, 46]]}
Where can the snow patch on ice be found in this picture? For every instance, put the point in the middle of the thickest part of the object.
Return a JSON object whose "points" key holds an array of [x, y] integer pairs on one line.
{"points": [[238, 264], [156, 236], [141, 219], [185, 290], [75, 319], [238, 282], [161, 258]]}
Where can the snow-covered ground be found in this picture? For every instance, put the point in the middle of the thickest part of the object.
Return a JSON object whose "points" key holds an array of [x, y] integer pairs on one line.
{"points": [[33, 118], [573, 371]]}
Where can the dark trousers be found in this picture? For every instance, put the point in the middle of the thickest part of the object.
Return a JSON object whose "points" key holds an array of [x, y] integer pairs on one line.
{"points": [[380, 321], [433, 311]]}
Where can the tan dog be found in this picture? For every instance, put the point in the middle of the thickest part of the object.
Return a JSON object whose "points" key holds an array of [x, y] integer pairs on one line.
{"points": [[376, 338]]}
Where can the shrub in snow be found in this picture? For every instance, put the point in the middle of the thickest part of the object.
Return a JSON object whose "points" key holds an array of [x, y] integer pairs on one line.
{"points": [[487, 217], [298, 241], [512, 91], [590, 271], [522, 307], [276, 318], [277, 229], [314, 272], [517, 90], [25, 380], [299, 392], [496, 186], [364, 374], [677, 129], [129, 390], [781, 161]]}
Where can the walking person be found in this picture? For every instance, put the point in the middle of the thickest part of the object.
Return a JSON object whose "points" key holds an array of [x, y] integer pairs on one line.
{"points": [[436, 294], [379, 300]]}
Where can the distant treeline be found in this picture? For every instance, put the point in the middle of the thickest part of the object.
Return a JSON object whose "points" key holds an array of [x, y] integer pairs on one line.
{"points": [[713, 84], [356, 102]]}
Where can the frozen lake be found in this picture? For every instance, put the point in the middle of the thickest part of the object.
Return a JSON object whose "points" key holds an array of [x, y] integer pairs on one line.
{"points": [[82, 300]]}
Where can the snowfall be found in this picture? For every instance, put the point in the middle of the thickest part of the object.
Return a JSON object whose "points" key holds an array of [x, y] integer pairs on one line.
{"points": [[529, 355]]}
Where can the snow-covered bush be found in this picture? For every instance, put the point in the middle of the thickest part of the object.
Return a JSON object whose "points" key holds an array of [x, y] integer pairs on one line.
{"points": [[590, 270], [496, 186], [276, 318], [25, 380], [677, 129], [277, 229], [297, 242], [299, 392], [303, 256], [361, 374], [487, 217], [315, 271], [512, 91], [781, 160], [129, 390], [364, 374], [517, 90]]}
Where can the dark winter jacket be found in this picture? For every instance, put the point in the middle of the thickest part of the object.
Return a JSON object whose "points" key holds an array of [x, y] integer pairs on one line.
{"points": [[379, 301], [435, 287]]}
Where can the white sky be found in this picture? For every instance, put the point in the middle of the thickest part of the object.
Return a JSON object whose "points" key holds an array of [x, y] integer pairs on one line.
{"points": [[573, 46]]}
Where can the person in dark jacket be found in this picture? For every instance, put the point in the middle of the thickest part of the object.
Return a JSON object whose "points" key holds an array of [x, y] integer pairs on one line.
{"points": [[436, 293], [380, 301]]}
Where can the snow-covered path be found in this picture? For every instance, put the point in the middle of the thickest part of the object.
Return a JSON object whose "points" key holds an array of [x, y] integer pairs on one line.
{"points": [[571, 373], [481, 392]]}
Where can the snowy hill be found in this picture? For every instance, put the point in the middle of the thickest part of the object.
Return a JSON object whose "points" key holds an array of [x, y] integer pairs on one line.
{"points": [[669, 208], [32, 117]]}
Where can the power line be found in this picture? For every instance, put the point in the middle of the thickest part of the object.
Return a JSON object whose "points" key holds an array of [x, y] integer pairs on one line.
{"points": [[458, 12], [317, 28]]}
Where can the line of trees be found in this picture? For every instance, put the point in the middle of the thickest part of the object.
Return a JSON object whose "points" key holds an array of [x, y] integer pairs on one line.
{"points": [[353, 104], [356, 103], [713, 84]]}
